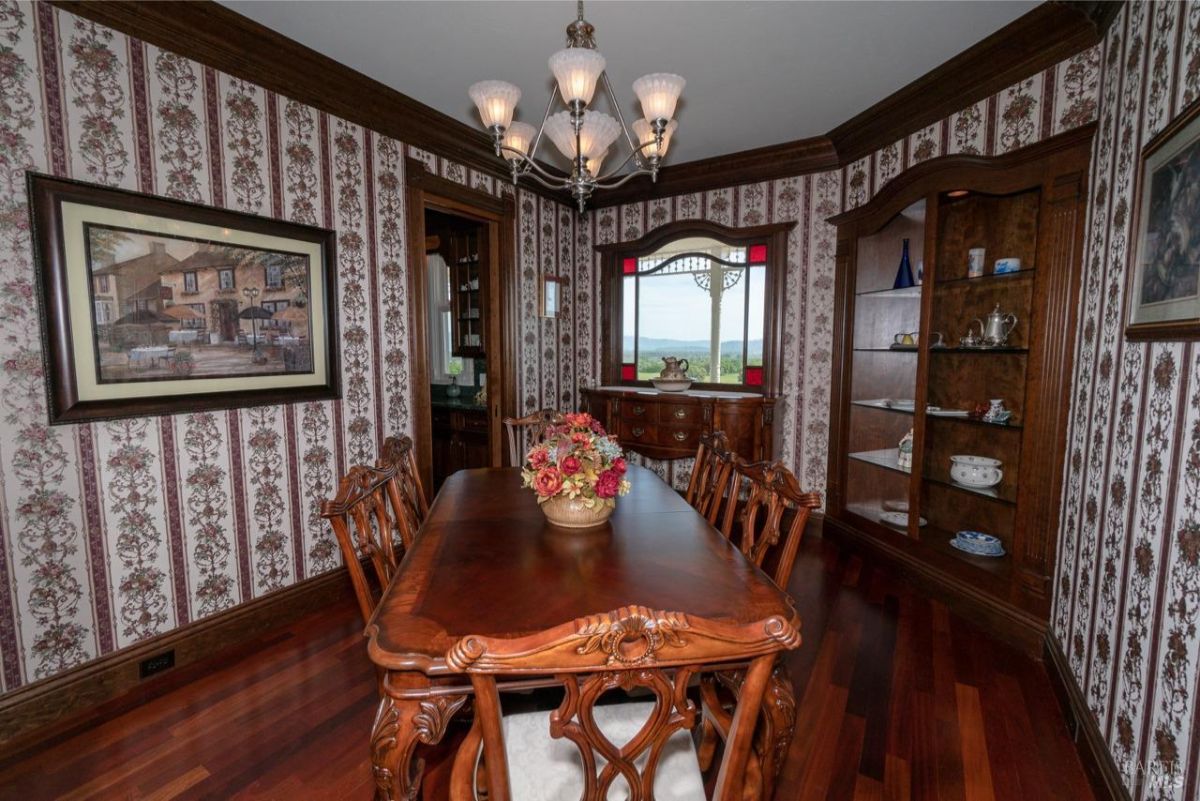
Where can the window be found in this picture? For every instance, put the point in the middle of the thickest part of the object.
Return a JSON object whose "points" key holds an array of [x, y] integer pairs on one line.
{"points": [[196, 322], [275, 306], [225, 278], [699, 299], [189, 283], [103, 312], [442, 361], [102, 284], [274, 276]]}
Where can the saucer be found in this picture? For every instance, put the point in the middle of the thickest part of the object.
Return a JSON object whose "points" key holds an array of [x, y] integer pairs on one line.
{"points": [[899, 519]]}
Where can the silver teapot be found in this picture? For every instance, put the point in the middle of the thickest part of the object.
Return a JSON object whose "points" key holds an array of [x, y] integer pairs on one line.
{"points": [[675, 368], [994, 332]]}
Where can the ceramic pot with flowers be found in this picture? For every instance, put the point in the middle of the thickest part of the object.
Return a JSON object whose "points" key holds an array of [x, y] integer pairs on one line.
{"points": [[577, 472]]}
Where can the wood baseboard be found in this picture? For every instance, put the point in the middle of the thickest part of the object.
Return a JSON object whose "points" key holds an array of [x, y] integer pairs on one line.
{"points": [[1097, 760], [112, 683], [1002, 620]]}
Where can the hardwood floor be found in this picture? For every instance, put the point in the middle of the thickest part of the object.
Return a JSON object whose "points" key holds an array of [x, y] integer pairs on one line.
{"points": [[897, 698]]}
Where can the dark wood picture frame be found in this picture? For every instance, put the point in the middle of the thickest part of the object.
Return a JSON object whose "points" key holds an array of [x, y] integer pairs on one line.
{"points": [[774, 236], [1169, 329], [47, 194]]}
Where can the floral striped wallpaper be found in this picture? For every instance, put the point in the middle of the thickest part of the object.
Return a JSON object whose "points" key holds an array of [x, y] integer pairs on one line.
{"points": [[1058, 99], [114, 532], [1127, 596]]}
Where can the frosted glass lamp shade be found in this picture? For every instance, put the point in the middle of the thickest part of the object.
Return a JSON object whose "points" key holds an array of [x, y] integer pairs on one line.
{"points": [[562, 134], [658, 93], [519, 136], [598, 132], [594, 164], [577, 69], [645, 134], [496, 101]]}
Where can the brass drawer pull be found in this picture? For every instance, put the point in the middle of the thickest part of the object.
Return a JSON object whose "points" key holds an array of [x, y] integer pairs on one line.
{"points": [[680, 413], [639, 410], [638, 431], [680, 436]]}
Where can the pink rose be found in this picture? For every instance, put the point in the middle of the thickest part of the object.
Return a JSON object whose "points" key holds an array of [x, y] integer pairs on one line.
{"points": [[619, 465], [539, 458], [570, 466], [547, 482], [608, 483]]}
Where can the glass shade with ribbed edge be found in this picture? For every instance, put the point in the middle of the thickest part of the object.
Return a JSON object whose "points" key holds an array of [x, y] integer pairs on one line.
{"points": [[519, 136], [658, 93], [496, 101], [577, 69], [645, 134], [595, 163], [598, 132]]}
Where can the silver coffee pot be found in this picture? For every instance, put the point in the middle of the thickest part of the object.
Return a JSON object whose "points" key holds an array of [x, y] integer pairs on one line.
{"points": [[997, 327]]}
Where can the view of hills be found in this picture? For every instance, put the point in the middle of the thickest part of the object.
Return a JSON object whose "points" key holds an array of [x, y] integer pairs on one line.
{"points": [[685, 347]]}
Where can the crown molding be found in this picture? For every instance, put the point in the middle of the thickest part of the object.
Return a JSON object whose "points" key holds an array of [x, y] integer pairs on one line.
{"points": [[1041, 38], [220, 38], [744, 167]]}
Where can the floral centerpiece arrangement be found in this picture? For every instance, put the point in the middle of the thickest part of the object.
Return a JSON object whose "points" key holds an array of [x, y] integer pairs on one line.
{"points": [[577, 471]]}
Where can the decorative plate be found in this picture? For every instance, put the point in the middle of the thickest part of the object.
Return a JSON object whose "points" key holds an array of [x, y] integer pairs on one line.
{"points": [[954, 543], [899, 519]]}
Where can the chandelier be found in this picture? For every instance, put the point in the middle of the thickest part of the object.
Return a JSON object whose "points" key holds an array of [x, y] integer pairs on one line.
{"points": [[585, 136]]}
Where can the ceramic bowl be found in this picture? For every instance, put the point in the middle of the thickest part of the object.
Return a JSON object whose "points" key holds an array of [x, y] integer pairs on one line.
{"points": [[976, 471], [671, 384], [967, 546]]}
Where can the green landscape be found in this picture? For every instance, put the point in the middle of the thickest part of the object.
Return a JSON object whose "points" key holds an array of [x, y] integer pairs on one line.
{"points": [[651, 352]]}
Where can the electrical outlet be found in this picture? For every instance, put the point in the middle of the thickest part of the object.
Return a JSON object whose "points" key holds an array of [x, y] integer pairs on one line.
{"points": [[156, 664]]}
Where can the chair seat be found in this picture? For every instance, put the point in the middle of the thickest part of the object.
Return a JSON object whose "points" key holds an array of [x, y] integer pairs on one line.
{"points": [[542, 768]]}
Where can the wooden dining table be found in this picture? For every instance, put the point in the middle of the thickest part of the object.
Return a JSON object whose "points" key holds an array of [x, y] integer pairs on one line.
{"points": [[486, 564]]}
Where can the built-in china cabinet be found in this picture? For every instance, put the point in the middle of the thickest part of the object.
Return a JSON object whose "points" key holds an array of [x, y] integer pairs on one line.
{"points": [[952, 372]]}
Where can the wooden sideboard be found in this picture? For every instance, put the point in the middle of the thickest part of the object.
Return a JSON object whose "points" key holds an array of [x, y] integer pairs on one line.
{"points": [[460, 439], [668, 425]]}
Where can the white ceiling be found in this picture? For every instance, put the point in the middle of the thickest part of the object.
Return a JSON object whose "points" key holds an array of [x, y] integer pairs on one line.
{"points": [[758, 73]]}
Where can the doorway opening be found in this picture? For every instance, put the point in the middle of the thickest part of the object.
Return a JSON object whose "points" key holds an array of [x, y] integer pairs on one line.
{"points": [[464, 296]]}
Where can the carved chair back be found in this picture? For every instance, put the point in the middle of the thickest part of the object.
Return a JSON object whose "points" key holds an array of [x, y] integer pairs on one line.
{"points": [[630, 648], [523, 432], [712, 474], [399, 454], [770, 490], [365, 514]]}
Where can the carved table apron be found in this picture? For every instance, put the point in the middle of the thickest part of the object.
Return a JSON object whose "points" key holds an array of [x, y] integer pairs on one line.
{"points": [[488, 575]]}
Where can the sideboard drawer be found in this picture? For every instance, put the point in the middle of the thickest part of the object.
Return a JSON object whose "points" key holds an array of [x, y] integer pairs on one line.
{"points": [[680, 414], [683, 436], [637, 431], [639, 410]]}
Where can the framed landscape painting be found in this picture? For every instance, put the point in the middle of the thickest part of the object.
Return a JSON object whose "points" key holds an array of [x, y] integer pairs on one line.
{"points": [[1164, 300], [156, 306]]}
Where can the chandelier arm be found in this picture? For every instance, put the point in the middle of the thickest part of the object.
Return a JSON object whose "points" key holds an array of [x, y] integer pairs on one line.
{"points": [[542, 128], [641, 168], [612, 97], [624, 179], [555, 183], [531, 167]]}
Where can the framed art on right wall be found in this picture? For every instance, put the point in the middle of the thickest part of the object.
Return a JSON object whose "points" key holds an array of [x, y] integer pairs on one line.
{"points": [[1164, 300]]}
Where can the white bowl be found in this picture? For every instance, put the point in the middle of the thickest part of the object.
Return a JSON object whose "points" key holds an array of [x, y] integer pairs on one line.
{"points": [[976, 471], [671, 384]]}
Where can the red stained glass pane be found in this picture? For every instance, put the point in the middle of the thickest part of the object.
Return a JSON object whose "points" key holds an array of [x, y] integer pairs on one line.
{"points": [[628, 372], [758, 254], [629, 266], [754, 376]]}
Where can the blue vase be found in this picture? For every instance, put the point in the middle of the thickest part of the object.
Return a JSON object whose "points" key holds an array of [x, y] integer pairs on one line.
{"points": [[904, 275]]}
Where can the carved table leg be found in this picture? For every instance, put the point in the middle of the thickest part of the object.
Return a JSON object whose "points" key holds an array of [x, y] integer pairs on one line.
{"points": [[778, 723], [405, 721]]}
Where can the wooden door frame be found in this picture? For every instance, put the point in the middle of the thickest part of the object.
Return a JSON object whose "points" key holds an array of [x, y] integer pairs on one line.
{"points": [[428, 191]]}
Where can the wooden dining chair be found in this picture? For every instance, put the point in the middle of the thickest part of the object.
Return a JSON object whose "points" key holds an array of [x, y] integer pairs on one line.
{"points": [[757, 527], [523, 432], [365, 516], [711, 476], [399, 453], [583, 748]]}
